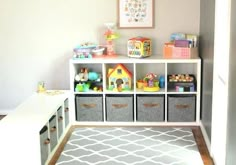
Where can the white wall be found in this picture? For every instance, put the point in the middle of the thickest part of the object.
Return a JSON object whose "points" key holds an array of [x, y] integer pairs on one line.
{"points": [[37, 38]]}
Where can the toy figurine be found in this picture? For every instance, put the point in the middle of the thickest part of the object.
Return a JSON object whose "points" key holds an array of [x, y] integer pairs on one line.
{"points": [[149, 78], [162, 81], [83, 75], [41, 87]]}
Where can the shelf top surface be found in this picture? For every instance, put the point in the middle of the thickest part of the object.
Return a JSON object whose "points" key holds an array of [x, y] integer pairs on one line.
{"points": [[126, 59], [37, 109]]}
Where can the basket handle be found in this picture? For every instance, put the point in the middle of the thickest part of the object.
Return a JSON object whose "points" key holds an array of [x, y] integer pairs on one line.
{"points": [[182, 106], [88, 105], [66, 109], [53, 129], [151, 105], [118, 106], [47, 141], [60, 118]]}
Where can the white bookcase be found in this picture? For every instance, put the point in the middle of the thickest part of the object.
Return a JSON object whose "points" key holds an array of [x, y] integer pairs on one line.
{"points": [[35, 129], [139, 68]]}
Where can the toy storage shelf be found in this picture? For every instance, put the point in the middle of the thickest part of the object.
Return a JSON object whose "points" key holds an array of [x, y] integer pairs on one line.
{"points": [[138, 68], [36, 128]]}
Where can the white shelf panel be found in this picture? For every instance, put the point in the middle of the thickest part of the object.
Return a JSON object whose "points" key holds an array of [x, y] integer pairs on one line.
{"points": [[177, 93], [89, 92], [126, 59], [140, 91], [123, 92], [136, 123]]}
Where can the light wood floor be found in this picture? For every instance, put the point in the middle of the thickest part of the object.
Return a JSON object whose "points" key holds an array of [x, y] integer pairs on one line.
{"points": [[196, 131]]}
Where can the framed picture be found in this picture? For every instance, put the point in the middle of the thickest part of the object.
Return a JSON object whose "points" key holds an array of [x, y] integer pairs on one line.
{"points": [[135, 13]]}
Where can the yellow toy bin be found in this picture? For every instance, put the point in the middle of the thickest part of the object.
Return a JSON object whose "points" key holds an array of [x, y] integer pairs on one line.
{"points": [[139, 47]]}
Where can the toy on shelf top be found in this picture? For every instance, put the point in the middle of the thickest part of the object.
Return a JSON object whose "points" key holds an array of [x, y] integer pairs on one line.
{"points": [[41, 87], [84, 50], [184, 40], [139, 47], [110, 35], [181, 45]]}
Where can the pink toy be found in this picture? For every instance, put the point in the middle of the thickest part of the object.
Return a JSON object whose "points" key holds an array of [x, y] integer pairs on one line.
{"points": [[110, 36]]}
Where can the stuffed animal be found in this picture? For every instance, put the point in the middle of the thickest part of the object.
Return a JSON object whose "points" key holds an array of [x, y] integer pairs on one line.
{"points": [[84, 75]]}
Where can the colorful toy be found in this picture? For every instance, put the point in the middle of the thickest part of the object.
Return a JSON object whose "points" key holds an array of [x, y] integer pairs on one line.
{"points": [[162, 82], [119, 78], [82, 87], [149, 83], [110, 36], [84, 75], [139, 47], [86, 80], [41, 87], [84, 50]]}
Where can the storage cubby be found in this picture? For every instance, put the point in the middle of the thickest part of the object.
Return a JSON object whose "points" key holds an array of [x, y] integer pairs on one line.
{"points": [[89, 107], [119, 108], [119, 75], [87, 77], [123, 100], [142, 69], [66, 112], [53, 131], [182, 69], [181, 108], [60, 119], [150, 108], [44, 144]]}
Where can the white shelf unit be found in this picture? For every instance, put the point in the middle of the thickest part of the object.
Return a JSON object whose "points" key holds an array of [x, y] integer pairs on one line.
{"points": [[139, 68], [35, 129]]}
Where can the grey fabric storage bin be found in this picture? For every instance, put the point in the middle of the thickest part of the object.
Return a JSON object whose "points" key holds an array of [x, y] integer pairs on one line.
{"points": [[150, 108], [44, 148], [89, 108], [119, 107], [53, 131], [66, 112], [60, 121], [181, 108]]}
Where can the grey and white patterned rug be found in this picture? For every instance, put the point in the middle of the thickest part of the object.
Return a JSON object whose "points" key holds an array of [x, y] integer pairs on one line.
{"points": [[131, 146]]}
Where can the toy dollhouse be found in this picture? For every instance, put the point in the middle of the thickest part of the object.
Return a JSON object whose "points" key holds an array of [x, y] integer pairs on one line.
{"points": [[119, 78]]}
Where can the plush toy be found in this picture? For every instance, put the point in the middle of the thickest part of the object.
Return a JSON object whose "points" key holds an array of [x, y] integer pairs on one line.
{"points": [[84, 75]]}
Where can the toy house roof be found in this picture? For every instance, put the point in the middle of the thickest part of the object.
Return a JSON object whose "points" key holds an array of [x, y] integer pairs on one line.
{"points": [[123, 67]]}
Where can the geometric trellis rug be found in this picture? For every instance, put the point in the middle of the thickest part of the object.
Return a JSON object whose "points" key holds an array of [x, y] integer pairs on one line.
{"points": [[131, 146]]}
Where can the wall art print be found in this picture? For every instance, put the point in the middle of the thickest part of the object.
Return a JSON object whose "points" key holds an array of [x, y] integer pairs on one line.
{"points": [[136, 13]]}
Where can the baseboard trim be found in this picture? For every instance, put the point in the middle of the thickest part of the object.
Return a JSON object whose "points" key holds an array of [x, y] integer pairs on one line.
{"points": [[205, 136]]}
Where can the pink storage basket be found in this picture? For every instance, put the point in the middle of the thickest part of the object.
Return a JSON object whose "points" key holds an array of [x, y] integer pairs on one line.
{"points": [[179, 52]]}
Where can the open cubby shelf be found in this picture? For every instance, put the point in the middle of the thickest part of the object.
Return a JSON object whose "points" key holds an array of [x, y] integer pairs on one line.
{"points": [[131, 104]]}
